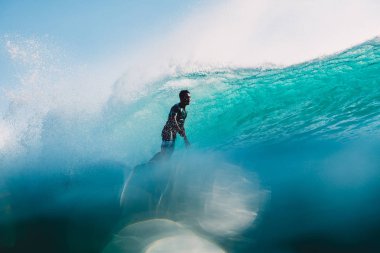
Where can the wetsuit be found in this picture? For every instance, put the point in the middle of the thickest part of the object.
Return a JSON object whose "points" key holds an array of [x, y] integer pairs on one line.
{"points": [[176, 118]]}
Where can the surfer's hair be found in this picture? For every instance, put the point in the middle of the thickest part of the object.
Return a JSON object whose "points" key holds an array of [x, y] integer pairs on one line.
{"points": [[182, 93]]}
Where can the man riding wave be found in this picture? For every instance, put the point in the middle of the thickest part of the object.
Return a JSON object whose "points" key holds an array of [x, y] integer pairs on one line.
{"points": [[175, 124]]}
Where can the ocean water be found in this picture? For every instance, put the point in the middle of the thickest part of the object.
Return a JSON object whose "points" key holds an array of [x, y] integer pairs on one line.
{"points": [[283, 159]]}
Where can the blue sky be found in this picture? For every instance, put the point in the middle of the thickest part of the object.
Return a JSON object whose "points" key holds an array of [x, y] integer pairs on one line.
{"points": [[91, 28]]}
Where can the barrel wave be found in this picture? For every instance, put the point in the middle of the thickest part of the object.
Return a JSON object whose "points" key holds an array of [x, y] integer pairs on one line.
{"points": [[283, 159]]}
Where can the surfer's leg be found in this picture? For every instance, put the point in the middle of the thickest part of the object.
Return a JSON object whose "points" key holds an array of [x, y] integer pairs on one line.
{"points": [[156, 157], [167, 148]]}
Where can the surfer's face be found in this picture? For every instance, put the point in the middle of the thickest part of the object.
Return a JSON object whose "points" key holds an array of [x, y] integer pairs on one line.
{"points": [[186, 99]]}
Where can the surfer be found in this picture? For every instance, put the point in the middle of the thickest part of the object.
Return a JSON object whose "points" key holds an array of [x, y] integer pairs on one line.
{"points": [[175, 124]]}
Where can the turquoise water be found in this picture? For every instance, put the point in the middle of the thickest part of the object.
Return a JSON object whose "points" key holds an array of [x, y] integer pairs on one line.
{"points": [[334, 97], [283, 159]]}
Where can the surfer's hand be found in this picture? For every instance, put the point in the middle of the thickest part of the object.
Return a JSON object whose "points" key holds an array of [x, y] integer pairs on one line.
{"points": [[182, 133]]}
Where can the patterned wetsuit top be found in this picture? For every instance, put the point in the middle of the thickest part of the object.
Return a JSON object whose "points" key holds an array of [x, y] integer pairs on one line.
{"points": [[169, 132]]}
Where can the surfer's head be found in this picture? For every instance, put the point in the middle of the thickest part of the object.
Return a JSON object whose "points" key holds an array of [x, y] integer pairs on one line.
{"points": [[185, 97]]}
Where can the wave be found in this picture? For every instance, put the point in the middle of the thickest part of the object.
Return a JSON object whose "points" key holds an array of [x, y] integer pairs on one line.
{"points": [[336, 97], [227, 194]]}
